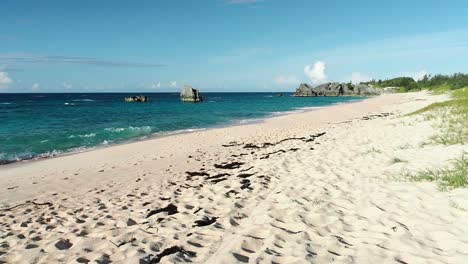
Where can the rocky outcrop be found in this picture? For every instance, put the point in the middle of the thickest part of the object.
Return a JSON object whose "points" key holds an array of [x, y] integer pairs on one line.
{"points": [[138, 99], [190, 94], [304, 90], [336, 89]]}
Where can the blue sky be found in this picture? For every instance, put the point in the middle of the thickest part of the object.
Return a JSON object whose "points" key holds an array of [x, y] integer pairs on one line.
{"points": [[224, 45]]}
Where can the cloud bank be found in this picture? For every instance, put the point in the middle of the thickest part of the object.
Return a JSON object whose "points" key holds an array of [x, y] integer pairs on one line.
{"points": [[357, 77], [5, 80]]}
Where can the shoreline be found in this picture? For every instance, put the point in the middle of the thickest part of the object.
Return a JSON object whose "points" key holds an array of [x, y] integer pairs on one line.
{"points": [[231, 123], [319, 186]]}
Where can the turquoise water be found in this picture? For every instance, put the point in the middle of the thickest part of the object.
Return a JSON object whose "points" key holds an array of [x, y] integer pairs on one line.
{"points": [[41, 125]]}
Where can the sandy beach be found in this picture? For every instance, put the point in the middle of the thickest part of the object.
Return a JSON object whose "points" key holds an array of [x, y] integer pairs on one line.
{"points": [[316, 187]]}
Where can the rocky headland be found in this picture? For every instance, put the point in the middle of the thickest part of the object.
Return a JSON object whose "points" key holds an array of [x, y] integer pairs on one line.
{"points": [[337, 89]]}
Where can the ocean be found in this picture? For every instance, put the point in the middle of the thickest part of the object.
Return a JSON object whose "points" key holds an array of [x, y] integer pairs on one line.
{"points": [[43, 125]]}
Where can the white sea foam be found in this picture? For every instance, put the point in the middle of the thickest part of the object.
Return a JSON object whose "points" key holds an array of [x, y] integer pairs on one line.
{"points": [[48, 154], [5, 103], [83, 136], [142, 129], [247, 121], [83, 100], [181, 131]]}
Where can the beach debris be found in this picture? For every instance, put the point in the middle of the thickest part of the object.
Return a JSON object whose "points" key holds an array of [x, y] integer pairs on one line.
{"points": [[206, 221], [231, 144], [266, 156], [268, 144], [190, 94], [26, 203], [137, 99], [170, 251], [170, 210], [123, 242], [374, 116], [253, 146], [229, 166]]}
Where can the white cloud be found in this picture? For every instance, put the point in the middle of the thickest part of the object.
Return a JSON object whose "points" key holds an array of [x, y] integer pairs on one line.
{"points": [[155, 85], [417, 76], [291, 79], [5, 80], [66, 86], [173, 84], [316, 73], [357, 77], [35, 87]]}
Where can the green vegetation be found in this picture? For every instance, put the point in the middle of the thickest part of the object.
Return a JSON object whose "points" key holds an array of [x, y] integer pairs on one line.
{"points": [[373, 150], [455, 81], [455, 176], [438, 83], [397, 160], [404, 83], [454, 116], [456, 206], [452, 119]]}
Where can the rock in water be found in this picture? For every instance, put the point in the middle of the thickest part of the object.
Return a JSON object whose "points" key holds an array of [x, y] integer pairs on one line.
{"points": [[189, 94], [336, 89], [139, 99]]}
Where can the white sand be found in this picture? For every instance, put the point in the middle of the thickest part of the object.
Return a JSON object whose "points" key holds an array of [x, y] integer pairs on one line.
{"points": [[338, 197]]}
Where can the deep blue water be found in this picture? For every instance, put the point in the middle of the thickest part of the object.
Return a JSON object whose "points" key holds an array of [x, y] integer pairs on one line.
{"points": [[40, 125]]}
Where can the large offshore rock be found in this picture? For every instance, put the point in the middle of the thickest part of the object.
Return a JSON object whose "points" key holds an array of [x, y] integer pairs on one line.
{"points": [[189, 94], [336, 89]]}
